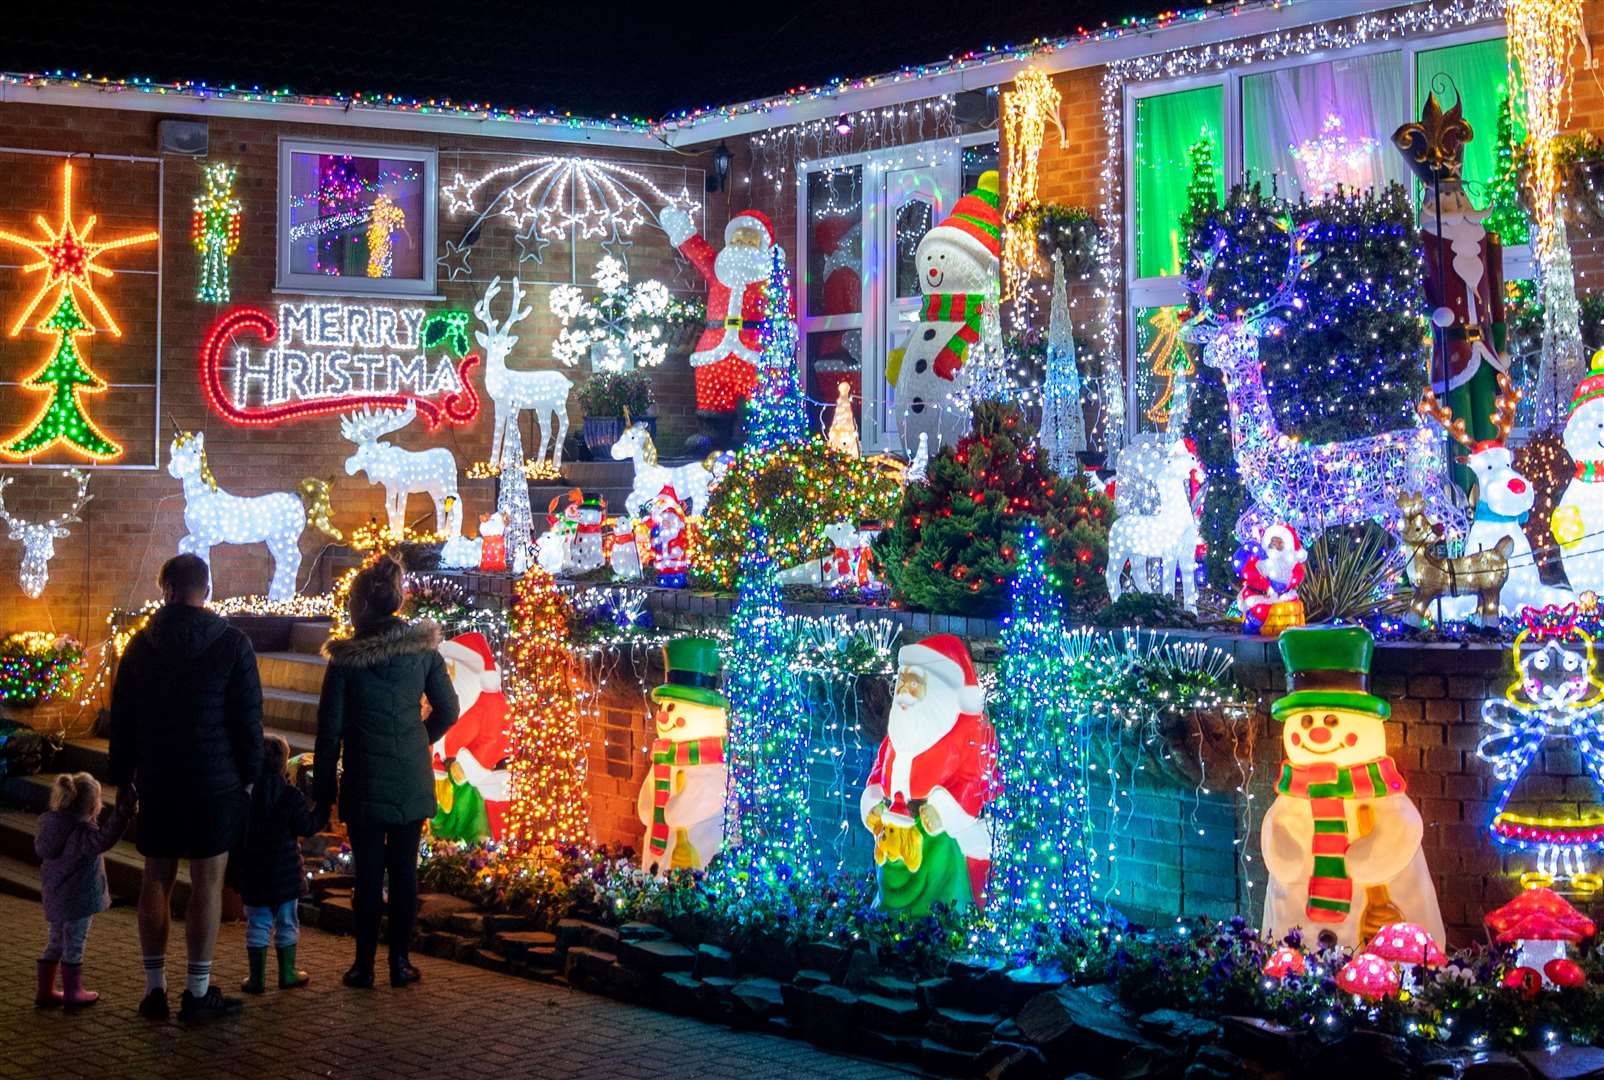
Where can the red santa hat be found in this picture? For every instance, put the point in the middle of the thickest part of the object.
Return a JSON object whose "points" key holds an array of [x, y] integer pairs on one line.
{"points": [[750, 219], [945, 658], [1289, 538], [472, 651]]}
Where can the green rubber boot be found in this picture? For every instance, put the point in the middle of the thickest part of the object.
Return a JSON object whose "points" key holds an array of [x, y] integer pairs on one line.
{"points": [[289, 976], [258, 979]]}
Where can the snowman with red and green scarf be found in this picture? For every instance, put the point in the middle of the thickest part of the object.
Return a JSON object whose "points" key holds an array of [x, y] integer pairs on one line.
{"points": [[1342, 838]]}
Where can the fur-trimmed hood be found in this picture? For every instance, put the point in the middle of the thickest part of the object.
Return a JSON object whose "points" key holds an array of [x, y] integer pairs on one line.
{"points": [[396, 638]]}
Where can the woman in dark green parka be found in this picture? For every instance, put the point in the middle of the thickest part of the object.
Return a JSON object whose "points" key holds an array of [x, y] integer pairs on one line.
{"points": [[370, 706]]}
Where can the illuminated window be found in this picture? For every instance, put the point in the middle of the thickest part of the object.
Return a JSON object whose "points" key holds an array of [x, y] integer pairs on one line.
{"points": [[1167, 127], [356, 219]]}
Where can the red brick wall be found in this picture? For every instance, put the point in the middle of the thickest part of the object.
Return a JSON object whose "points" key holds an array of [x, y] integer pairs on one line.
{"points": [[135, 519]]}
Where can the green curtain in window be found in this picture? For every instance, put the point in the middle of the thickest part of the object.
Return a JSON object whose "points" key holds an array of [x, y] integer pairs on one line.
{"points": [[1166, 124], [1480, 72]]}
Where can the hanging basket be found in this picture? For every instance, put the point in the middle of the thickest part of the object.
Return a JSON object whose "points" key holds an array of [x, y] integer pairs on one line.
{"points": [[1072, 234]]}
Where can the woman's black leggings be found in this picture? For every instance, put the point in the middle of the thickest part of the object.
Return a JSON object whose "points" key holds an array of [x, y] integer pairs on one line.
{"points": [[376, 849]]}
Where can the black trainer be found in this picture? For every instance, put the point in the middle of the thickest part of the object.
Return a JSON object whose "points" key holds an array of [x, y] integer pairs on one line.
{"points": [[153, 1006], [359, 978], [402, 973], [209, 1006]]}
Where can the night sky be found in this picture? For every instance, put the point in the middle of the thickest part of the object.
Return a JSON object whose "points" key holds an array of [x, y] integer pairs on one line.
{"points": [[588, 57]]}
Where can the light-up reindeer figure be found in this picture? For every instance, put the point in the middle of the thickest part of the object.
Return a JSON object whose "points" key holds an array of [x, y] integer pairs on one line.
{"points": [[1503, 498], [1169, 535], [1310, 487], [213, 516], [546, 392], [403, 472], [1557, 699], [39, 537]]}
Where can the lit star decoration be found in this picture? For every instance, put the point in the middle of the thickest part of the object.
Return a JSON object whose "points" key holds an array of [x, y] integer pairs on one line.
{"points": [[619, 328], [1041, 876], [455, 260], [550, 808], [67, 256], [214, 229], [768, 833], [1331, 159], [561, 195]]}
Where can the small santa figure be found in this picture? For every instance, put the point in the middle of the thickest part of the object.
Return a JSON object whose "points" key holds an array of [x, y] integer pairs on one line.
{"points": [[728, 351], [1271, 569], [670, 553], [931, 780], [472, 782]]}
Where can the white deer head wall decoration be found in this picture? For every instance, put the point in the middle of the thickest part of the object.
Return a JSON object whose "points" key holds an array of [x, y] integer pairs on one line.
{"points": [[39, 537], [546, 392], [432, 472]]}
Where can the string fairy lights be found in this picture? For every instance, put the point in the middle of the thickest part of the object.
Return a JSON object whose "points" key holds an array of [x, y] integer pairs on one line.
{"points": [[69, 259], [1026, 109], [214, 230]]}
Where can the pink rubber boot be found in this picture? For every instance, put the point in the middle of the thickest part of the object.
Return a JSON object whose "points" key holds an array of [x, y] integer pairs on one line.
{"points": [[72, 987], [47, 996]]}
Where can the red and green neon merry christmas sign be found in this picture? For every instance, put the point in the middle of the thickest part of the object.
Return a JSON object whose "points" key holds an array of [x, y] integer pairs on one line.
{"points": [[68, 256]]}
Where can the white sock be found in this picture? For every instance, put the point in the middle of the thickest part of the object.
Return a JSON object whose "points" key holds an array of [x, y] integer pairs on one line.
{"points": [[155, 973], [198, 978]]}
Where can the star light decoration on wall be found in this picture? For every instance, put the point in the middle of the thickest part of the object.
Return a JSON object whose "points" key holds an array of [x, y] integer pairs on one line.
{"points": [[554, 198], [68, 257]]}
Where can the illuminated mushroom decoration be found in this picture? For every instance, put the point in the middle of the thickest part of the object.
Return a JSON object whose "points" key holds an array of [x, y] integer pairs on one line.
{"points": [[1565, 973], [1283, 962], [1407, 945], [1369, 977], [1540, 923]]}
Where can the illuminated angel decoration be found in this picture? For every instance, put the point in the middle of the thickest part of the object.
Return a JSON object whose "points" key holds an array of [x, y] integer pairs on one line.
{"points": [[1555, 703]]}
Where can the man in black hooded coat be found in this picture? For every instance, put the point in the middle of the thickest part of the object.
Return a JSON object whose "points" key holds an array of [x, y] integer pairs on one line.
{"points": [[186, 729]]}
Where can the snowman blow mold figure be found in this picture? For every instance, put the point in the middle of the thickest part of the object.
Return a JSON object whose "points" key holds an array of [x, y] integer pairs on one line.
{"points": [[681, 801], [1578, 521], [1342, 838], [958, 263]]}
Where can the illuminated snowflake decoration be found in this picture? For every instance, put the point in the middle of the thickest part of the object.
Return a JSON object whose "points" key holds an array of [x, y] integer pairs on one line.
{"points": [[1331, 159], [620, 327], [558, 196]]}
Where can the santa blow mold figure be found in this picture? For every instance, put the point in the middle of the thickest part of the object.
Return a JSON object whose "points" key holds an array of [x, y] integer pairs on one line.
{"points": [[930, 782], [958, 263], [681, 803], [1341, 840], [1271, 569], [727, 353], [471, 780], [1578, 521]]}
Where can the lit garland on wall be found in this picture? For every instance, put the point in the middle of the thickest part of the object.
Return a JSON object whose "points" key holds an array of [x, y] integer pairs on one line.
{"points": [[550, 807], [214, 230], [1413, 21], [1026, 110], [1041, 874], [68, 260], [768, 833]]}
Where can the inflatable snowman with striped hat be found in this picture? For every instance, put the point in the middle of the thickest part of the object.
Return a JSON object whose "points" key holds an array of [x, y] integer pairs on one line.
{"points": [[958, 264], [1342, 838]]}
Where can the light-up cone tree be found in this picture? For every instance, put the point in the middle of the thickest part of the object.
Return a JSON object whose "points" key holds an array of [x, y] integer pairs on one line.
{"points": [[776, 416], [1041, 871], [768, 838], [65, 375], [549, 808]]}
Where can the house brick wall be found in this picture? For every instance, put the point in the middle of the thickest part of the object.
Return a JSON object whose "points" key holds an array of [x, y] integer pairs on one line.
{"points": [[135, 519]]}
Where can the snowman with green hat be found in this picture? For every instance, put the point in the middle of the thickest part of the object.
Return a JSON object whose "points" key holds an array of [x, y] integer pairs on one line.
{"points": [[681, 802], [1342, 838]]}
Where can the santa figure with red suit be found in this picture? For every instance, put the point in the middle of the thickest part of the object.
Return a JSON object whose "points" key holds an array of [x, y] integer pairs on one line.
{"points": [[727, 354], [926, 796], [472, 783], [1271, 569]]}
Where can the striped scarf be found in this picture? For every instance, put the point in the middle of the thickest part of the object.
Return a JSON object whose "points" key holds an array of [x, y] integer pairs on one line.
{"points": [[962, 308], [1590, 472], [1327, 787], [668, 754]]}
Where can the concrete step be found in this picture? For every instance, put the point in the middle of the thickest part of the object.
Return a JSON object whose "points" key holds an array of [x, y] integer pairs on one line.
{"points": [[88, 754], [298, 671], [289, 711], [309, 635], [124, 864], [18, 878]]}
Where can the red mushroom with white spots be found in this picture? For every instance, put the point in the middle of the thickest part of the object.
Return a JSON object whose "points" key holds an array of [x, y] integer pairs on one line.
{"points": [[1369, 977], [1540, 923], [1407, 945], [1283, 962]]}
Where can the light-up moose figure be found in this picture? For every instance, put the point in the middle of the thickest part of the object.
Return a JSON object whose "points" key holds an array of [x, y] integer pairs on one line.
{"points": [[546, 392], [39, 537], [1308, 486], [403, 472]]}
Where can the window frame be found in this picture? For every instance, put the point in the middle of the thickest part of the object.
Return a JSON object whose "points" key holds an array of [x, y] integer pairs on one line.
{"points": [[1169, 290], [420, 288]]}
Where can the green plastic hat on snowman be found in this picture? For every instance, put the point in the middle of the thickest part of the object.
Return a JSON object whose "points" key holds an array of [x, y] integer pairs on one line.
{"points": [[693, 673], [1328, 667]]}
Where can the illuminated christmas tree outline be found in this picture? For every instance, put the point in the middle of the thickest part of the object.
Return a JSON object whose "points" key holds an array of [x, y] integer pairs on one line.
{"points": [[68, 257]]}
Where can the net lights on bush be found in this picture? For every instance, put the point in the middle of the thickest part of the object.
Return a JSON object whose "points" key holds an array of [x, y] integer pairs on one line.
{"points": [[39, 537], [1041, 872], [214, 229], [768, 832], [69, 259], [619, 328], [550, 807]]}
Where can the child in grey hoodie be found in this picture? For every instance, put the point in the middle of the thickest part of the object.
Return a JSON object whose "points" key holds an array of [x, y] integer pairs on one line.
{"points": [[71, 845]]}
